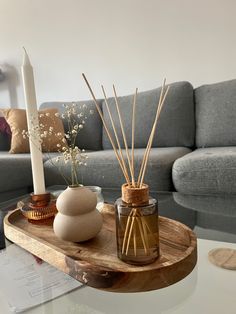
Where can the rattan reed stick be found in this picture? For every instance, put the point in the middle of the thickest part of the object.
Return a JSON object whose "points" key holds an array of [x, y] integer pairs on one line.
{"points": [[130, 231], [135, 240], [106, 128], [142, 236], [126, 231], [115, 132], [150, 231], [135, 219], [152, 135], [133, 133], [144, 232], [148, 144], [123, 133]]}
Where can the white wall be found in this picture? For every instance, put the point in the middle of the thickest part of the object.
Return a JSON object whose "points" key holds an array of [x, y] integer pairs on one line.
{"points": [[128, 42]]}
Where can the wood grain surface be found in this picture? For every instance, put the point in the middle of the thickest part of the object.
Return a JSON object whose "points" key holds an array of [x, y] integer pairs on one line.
{"points": [[95, 262], [223, 257]]}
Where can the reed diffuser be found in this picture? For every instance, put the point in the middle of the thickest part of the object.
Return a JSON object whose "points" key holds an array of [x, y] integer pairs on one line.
{"points": [[136, 212]]}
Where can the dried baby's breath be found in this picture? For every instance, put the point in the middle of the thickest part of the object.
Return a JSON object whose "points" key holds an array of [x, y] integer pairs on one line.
{"points": [[74, 117]]}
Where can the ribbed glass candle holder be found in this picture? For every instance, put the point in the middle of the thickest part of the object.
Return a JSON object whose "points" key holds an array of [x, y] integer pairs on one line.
{"points": [[39, 207]]}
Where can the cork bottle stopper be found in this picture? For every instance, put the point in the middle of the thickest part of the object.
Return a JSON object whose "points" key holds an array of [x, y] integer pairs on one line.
{"points": [[135, 196]]}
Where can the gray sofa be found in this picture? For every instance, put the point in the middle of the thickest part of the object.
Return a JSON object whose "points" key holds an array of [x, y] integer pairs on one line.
{"points": [[194, 149], [174, 139]]}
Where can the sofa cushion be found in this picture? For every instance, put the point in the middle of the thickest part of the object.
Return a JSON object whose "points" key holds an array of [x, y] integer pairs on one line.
{"points": [[209, 204], [103, 169], [214, 214], [17, 120], [15, 170], [5, 142], [5, 134], [168, 207], [206, 171], [220, 224], [7, 197], [90, 137], [4, 127], [216, 114], [176, 126]]}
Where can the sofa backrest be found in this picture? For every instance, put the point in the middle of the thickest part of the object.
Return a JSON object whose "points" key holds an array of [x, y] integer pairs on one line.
{"points": [[5, 134], [176, 126], [216, 114], [5, 142], [90, 137]]}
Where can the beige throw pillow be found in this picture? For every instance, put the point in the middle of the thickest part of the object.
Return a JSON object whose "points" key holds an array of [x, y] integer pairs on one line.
{"points": [[16, 118]]}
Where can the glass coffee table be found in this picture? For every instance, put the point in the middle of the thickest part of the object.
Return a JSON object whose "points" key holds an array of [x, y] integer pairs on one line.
{"points": [[208, 289]]}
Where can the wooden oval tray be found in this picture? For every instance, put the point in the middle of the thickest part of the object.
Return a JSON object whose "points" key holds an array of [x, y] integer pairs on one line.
{"points": [[95, 262]]}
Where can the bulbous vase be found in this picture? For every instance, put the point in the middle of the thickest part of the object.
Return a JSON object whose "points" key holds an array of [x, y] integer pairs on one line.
{"points": [[77, 219]]}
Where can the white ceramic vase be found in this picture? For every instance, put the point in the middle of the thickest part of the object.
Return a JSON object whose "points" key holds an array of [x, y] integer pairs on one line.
{"points": [[78, 219]]}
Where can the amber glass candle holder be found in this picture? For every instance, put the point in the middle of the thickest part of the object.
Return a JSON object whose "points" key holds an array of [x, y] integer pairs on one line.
{"points": [[38, 207], [137, 229]]}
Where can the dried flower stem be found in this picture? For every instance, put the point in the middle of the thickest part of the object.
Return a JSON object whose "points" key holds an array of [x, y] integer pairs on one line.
{"points": [[59, 169], [66, 141]]}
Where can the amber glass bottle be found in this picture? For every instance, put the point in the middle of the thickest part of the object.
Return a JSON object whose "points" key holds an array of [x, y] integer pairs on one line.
{"points": [[137, 229]]}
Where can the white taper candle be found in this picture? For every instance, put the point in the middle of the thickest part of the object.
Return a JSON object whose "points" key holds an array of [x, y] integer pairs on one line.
{"points": [[33, 124]]}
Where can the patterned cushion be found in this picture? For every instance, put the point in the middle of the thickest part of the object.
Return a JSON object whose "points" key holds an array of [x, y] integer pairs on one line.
{"points": [[16, 118]]}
